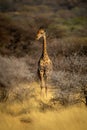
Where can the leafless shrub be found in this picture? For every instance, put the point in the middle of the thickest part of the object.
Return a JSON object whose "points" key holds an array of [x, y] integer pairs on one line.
{"points": [[13, 72], [69, 87], [20, 92], [68, 46], [70, 79], [75, 63]]}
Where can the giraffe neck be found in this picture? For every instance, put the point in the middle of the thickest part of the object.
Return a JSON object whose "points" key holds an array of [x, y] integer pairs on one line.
{"points": [[44, 47]]}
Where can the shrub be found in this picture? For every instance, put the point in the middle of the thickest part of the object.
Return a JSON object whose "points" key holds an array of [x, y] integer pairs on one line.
{"points": [[57, 31], [7, 5]]}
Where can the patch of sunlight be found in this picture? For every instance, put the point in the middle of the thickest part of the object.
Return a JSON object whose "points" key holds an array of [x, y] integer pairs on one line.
{"points": [[27, 115], [72, 118]]}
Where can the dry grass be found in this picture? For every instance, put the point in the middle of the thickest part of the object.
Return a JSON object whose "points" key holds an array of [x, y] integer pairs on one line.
{"points": [[28, 115]]}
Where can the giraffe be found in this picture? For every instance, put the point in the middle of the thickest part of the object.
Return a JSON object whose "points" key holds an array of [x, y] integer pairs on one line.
{"points": [[44, 64]]}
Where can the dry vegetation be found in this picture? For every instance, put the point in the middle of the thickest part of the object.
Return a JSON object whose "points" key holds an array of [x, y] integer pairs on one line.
{"points": [[21, 106], [40, 113]]}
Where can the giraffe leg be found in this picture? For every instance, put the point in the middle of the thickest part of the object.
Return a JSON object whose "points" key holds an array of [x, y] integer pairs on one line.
{"points": [[46, 79], [42, 80], [46, 90]]}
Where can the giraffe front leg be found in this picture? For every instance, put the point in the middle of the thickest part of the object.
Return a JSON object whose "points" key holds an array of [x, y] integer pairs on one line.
{"points": [[46, 80], [42, 80]]}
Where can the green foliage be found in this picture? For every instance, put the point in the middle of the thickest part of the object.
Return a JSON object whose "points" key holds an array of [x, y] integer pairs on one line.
{"points": [[35, 9], [58, 31], [19, 26], [76, 21], [12, 37]]}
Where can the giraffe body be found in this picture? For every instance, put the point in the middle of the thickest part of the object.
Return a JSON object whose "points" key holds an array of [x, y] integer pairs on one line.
{"points": [[44, 64]]}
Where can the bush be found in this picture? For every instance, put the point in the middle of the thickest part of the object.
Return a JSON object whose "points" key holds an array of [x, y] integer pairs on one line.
{"points": [[13, 71], [15, 74], [57, 31], [7, 5]]}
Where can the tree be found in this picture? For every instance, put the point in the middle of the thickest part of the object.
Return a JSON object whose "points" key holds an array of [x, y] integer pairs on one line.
{"points": [[6, 5]]}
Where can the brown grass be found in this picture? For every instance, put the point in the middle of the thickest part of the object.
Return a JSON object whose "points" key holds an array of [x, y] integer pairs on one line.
{"points": [[28, 115]]}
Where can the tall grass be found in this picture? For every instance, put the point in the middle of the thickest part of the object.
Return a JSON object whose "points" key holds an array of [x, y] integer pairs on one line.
{"points": [[68, 119]]}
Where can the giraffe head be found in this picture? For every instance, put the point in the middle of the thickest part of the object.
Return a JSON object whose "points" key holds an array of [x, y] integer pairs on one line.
{"points": [[40, 33]]}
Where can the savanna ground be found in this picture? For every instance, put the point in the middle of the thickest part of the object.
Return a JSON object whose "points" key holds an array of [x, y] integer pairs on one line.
{"points": [[21, 105], [37, 113]]}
